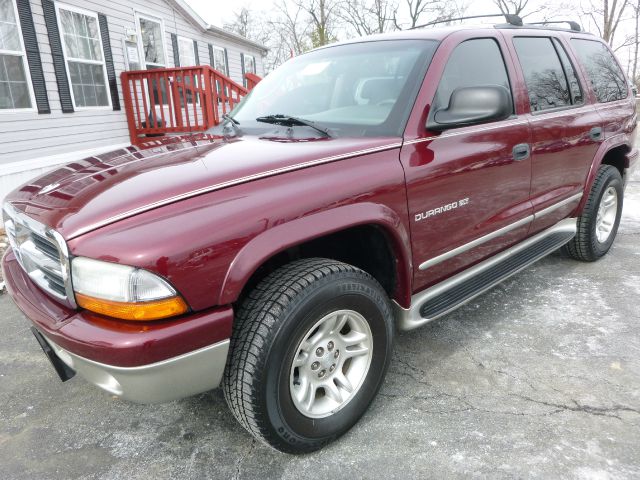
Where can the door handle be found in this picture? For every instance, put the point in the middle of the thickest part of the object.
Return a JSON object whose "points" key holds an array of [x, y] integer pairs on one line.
{"points": [[521, 152], [595, 134]]}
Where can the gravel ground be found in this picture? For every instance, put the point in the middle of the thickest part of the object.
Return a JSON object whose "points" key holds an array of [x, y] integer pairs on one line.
{"points": [[538, 378]]}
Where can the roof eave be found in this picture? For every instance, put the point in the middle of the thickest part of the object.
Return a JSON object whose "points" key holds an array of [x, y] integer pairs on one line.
{"points": [[191, 15], [221, 32]]}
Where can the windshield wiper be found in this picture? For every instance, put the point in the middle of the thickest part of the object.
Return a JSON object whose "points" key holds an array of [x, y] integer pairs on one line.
{"points": [[228, 119], [289, 121]]}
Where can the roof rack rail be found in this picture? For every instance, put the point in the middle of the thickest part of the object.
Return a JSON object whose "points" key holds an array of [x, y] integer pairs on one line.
{"points": [[511, 19], [575, 26]]}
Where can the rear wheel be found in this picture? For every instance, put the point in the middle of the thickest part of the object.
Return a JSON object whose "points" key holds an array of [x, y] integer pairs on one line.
{"points": [[310, 348], [598, 224]]}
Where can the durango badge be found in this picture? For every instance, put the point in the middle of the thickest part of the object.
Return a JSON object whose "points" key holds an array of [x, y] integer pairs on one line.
{"points": [[444, 208]]}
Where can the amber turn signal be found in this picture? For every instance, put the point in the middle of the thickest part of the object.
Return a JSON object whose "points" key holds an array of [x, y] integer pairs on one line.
{"points": [[142, 311]]}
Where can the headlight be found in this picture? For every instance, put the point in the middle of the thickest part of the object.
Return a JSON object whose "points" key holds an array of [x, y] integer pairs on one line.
{"points": [[123, 292]]}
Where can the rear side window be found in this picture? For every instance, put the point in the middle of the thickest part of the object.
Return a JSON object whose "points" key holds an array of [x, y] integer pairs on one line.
{"points": [[570, 72], [473, 63], [543, 73], [602, 69]]}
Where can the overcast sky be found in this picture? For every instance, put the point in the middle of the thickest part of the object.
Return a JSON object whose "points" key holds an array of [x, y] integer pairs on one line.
{"points": [[218, 12]]}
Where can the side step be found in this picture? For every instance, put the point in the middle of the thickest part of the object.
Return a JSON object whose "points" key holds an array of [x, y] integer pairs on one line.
{"points": [[454, 292]]}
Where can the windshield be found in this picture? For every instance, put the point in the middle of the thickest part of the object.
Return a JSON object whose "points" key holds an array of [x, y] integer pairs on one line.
{"points": [[361, 89]]}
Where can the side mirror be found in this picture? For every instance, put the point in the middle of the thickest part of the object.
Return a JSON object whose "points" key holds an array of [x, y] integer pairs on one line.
{"points": [[472, 105]]}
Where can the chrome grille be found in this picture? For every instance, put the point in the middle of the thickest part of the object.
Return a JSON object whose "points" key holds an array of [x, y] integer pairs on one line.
{"points": [[46, 246], [42, 253]]}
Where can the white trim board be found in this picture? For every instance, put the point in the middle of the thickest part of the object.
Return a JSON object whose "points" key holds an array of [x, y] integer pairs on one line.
{"points": [[55, 160]]}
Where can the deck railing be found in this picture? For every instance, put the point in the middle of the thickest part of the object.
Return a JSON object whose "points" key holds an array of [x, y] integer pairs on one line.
{"points": [[178, 100]]}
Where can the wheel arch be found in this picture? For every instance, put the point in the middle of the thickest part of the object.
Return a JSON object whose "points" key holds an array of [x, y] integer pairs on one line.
{"points": [[368, 222], [611, 152]]}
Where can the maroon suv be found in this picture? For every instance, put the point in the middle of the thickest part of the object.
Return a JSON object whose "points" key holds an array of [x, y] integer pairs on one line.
{"points": [[360, 188]]}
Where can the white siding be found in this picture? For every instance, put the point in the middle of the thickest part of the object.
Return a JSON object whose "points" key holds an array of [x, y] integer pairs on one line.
{"points": [[26, 137]]}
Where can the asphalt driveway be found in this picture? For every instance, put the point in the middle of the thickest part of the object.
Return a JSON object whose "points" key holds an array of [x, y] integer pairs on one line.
{"points": [[539, 378]]}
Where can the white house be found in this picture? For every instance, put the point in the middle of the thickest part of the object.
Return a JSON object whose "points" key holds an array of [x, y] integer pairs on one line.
{"points": [[60, 64]]}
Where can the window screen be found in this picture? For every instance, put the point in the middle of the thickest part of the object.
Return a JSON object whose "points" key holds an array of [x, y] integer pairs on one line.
{"points": [[14, 86], [85, 61], [187, 52], [152, 44]]}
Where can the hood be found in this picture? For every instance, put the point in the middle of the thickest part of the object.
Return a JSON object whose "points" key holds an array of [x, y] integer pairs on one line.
{"points": [[88, 194]]}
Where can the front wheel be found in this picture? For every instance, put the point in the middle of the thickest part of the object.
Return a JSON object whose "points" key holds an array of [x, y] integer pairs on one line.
{"points": [[598, 224], [310, 348]]}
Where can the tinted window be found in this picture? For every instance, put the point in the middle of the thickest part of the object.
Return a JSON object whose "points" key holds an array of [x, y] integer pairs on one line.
{"points": [[543, 73], [602, 70], [570, 72], [473, 63]]}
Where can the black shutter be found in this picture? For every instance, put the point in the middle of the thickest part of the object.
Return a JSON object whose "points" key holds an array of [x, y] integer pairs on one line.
{"points": [[59, 64], [226, 63], [33, 56], [211, 59], [244, 80], [176, 52], [108, 58], [195, 50]]}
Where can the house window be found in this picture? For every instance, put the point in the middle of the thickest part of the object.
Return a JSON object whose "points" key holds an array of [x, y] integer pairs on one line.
{"points": [[249, 64], [82, 46], [187, 52], [15, 89], [220, 60], [151, 42]]}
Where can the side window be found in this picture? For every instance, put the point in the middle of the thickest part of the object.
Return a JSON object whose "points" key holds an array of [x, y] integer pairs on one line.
{"points": [[14, 84], [473, 63], [602, 69], [574, 85], [82, 46], [187, 52], [543, 73], [151, 42]]}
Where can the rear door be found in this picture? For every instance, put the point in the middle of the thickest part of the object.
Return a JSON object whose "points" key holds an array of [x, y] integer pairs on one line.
{"points": [[614, 100], [468, 196], [566, 129]]}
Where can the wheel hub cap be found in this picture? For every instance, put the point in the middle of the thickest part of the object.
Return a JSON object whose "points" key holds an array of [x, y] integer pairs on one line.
{"points": [[331, 363], [607, 212]]}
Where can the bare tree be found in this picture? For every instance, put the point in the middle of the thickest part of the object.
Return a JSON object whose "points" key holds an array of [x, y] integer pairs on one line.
{"points": [[322, 19], [284, 31], [606, 16], [240, 23], [636, 43], [518, 7], [291, 26], [366, 17], [420, 12]]}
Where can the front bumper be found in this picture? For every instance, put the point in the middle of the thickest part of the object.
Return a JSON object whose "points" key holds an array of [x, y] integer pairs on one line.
{"points": [[146, 362], [171, 379]]}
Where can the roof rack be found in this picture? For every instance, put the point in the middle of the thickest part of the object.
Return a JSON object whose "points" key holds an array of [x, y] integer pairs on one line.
{"points": [[574, 26], [511, 19]]}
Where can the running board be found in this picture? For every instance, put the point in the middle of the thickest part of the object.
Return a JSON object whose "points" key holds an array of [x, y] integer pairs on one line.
{"points": [[454, 292]]}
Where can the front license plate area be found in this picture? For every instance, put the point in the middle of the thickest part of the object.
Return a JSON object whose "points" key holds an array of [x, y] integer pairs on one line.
{"points": [[64, 372]]}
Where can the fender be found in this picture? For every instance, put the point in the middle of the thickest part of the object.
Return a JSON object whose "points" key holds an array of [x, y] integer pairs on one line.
{"points": [[286, 235], [611, 142]]}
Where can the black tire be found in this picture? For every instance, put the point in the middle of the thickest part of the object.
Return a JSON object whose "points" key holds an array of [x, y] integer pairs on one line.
{"points": [[585, 246], [269, 326]]}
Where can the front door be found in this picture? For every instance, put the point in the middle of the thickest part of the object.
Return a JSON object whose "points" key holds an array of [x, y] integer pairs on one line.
{"points": [[467, 187]]}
